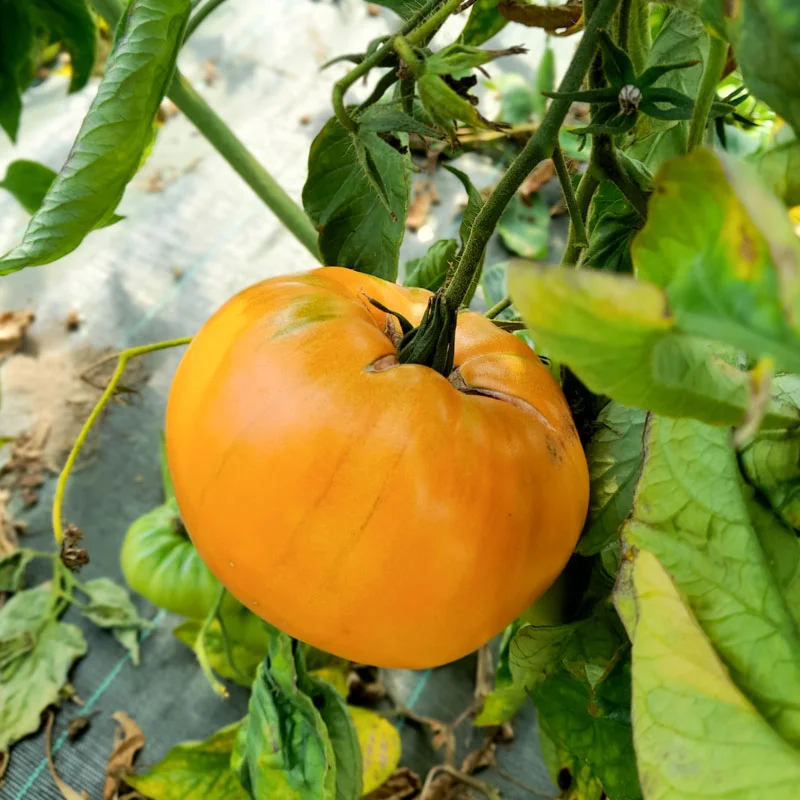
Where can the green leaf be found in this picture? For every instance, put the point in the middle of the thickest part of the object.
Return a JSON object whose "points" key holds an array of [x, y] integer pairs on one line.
{"points": [[382, 119], [430, 270], [459, 57], [696, 734], [346, 205], [615, 456], [110, 606], [17, 61], [194, 771], [28, 182], [613, 224], [779, 168], [771, 72], [12, 569], [681, 38], [771, 462], [41, 670], [113, 137], [283, 748], [341, 729], [584, 703], [245, 660], [484, 22], [524, 227], [726, 254], [380, 745], [692, 513], [71, 23], [474, 205], [545, 81], [617, 336], [565, 768]]}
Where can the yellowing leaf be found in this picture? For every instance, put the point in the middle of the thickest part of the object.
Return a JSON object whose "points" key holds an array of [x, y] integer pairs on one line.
{"points": [[335, 675], [380, 746], [696, 734]]}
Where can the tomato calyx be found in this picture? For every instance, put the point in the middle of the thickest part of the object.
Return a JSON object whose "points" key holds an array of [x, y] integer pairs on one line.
{"points": [[432, 343]]}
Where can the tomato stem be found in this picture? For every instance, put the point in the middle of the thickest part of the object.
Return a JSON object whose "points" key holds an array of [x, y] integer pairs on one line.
{"points": [[575, 215], [712, 74], [108, 393], [539, 147]]}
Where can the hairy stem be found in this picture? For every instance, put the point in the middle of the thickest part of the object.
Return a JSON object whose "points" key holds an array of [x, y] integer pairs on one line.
{"points": [[539, 147], [575, 216], [604, 159], [200, 15], [498, 308], [583, 197], [712, 74], [422, 17], [124, 357], [230, 147]]}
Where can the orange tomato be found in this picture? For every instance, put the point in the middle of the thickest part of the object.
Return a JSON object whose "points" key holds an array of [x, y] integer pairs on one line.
{"points": [[375, 510]]}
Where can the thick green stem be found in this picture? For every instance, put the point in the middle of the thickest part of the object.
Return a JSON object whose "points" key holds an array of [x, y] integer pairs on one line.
{"points": [[575, 216], [539, 147], [223, 139], [604, 159], [583, 196], [712, 74], [200, 15]]}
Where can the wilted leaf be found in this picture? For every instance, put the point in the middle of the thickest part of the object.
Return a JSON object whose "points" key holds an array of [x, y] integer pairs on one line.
{"points": [[245, 660], [380, 745], [128, 741], [524, 227], [13, 325], [113, 138], [727, 258], [429, 271], [696, 734], [110, 606], [401, 785], [692, 512], [618, 337], [65, 790], [356, 228], [484, 21], [615, 455], [551, 18], [195, 771], [39, 672]]}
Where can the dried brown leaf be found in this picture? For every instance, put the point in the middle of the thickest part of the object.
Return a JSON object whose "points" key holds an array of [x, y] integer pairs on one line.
{"points": [[480, 758], [541, 174], [13, 325], [8, 537], [401, 784], [67, 792], [128, 740], [565, 18], [425, 196]]}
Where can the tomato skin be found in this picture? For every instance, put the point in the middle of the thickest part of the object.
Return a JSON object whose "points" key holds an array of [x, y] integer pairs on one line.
{"points": [[382, 515]]}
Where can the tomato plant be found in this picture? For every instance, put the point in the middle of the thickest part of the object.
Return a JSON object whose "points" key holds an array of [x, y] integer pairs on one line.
{"points": [[390, 465]]}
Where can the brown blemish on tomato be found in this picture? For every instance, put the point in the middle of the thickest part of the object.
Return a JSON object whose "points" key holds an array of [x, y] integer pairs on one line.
{"points": [[383, 363]]}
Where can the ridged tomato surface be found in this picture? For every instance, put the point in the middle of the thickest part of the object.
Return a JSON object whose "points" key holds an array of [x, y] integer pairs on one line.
{"points": [[375, 510]]}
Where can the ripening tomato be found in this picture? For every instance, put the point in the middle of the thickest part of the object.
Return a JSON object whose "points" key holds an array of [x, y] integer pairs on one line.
{"points": [[376, 510]]}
